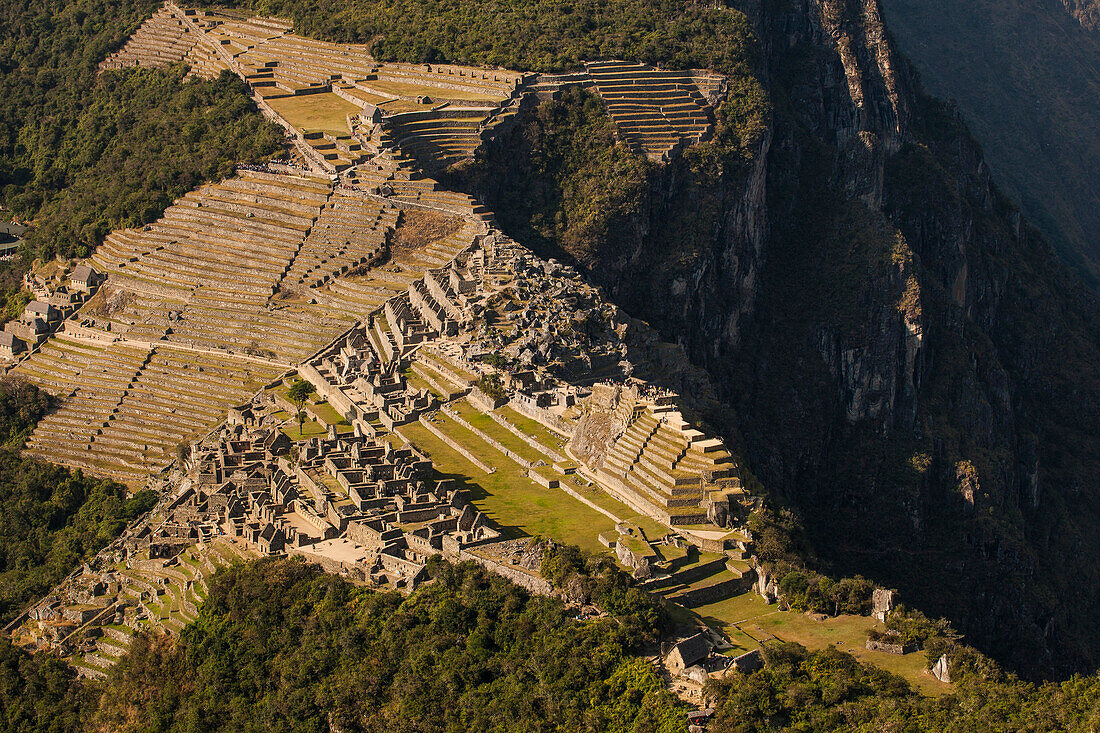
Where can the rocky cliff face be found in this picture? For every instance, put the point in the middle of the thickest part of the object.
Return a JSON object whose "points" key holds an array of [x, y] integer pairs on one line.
{"points": [[905, 361], [933, 434], [927, 430], [1087, 12], [1026, 75]]}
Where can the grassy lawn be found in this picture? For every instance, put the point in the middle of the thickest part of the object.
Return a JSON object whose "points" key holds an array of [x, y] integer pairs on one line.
{"points": [[653, 530], [403, 89], [310, 429], [325, 112], [329, 414], [849, 633], [510, 499], [485, 424], [535, 429]]}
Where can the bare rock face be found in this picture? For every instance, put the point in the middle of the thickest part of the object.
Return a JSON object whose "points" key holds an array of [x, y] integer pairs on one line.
{"points": [[1087, 12], [882, 601], [941, 670], [888, 383]]}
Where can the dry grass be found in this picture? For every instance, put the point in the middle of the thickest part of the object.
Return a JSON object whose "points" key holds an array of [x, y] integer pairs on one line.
{"points": [[402, 89], [418, 229], [747, 620], [325, 112]]}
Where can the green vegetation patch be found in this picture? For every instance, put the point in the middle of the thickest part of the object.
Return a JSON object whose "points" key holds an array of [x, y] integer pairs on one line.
{"points": [[118, 153], [543, 35], [510, 499], [306, 430], [827, 689], [470, 652], [83, 154], [51, 518]]}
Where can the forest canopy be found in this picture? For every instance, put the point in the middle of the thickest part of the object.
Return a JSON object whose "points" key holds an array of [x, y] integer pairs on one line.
{"points": [[281, 646], [82, 154], [51, 518]]}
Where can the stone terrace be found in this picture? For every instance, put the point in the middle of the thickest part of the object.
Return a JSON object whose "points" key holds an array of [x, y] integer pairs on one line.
{"points": [[360, 288], [216, 258], [351, 231], [238, 235], [662, 465], [441, 136], [655, 110], [433, 113], [161, 41], [123, 409], [237, 282]]}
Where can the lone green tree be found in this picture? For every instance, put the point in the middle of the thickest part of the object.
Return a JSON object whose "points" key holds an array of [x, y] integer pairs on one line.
{"points": [[299, 394]]}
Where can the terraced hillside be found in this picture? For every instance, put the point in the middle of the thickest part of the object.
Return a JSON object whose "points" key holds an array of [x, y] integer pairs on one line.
{"points": [[663, 466], [433, 113], [236, 283], [655, 110], [124, 408], [161, 41], [137, 594], [204, 274]]}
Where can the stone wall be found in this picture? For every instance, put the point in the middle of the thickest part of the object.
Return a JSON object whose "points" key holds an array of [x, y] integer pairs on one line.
{"points": [[487, 438], [885, 646], [716, 592], [543, 416], [546, 451], [531, 583], [457, 447], [330, 392]]}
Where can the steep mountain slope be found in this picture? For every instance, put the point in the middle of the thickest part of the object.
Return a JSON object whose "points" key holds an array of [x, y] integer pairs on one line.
{"points": [[909, 366], [921, 375], [1087, 12], [1026, 75]]}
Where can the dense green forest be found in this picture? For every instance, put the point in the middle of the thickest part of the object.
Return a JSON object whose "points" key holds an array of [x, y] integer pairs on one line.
{"points": [[39, 692], [51, 518], [13, 298], [22, 405], [83, 155], [830, 690], [280, 646], [146, 138], [574, 186], [546, 36]]}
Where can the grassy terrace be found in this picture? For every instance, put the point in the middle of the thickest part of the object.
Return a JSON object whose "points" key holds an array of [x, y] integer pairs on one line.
{"points": [[330, 416], [508, 498], [746, 620], [435, 374], [309, 429], [325, 112], [594, 494], [433, 359], [535, 429], [405, 89], [415, 382], [487, 425]]}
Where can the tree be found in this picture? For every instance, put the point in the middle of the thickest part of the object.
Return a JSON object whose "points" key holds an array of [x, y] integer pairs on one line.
{"points": [[299, 393]]}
